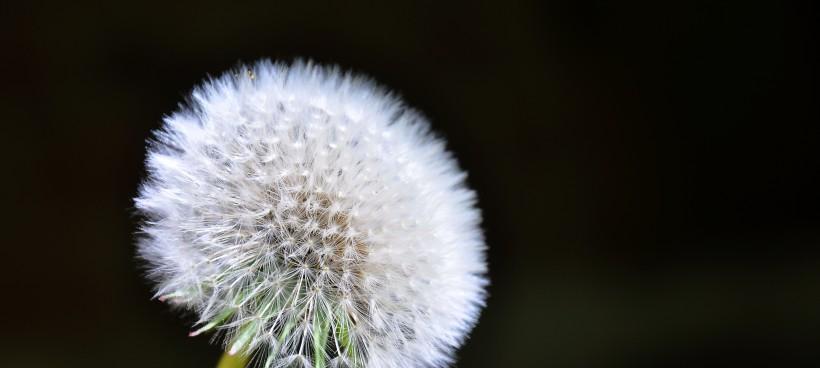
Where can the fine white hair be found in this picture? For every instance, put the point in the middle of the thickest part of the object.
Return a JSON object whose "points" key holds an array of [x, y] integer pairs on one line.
{"points": [[311, 218]]}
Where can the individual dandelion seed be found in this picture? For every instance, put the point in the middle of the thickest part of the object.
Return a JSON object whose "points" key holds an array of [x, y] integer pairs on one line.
{"points": [[310, 217]]}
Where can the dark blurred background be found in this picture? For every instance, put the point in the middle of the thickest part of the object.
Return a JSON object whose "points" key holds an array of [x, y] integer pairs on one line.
{"points": [[649, 173]]}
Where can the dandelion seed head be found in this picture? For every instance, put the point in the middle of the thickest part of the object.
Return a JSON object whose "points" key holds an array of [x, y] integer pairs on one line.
{"points": [[310, 218]]}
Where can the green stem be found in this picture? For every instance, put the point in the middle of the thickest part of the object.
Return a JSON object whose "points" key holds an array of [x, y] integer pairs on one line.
{"points": [[321, 329], [343, 337], [233, 361]]}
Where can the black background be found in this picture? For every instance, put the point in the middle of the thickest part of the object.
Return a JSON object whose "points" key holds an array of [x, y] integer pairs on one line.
{"points": [[648, 172]]}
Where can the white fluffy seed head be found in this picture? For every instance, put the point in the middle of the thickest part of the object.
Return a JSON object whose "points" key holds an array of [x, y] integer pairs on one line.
{"points": [[311, 218]]}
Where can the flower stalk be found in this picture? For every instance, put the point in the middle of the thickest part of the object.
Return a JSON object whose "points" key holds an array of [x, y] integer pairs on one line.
{"points": [[233, 361]]}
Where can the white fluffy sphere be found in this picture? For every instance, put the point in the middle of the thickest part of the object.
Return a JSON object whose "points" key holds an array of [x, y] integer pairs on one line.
{"points": [[312, 219]]}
